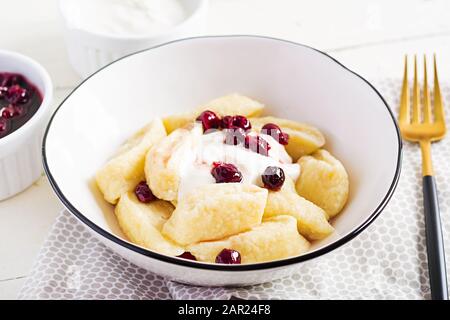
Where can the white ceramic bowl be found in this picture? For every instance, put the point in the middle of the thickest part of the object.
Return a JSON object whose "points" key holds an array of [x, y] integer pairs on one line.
{"points": [[295, 81], [89, 51], [20, 151]]}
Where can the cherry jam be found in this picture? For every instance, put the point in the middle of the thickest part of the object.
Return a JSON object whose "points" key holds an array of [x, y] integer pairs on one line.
{"points": [[19, 101]]}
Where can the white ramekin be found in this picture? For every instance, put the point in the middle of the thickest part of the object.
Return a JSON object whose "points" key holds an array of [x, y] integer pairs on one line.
{"points": [[89, 51], [20, 151]]}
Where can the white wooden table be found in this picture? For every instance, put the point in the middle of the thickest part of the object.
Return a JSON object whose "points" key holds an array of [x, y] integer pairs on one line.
{"points": [[369, 37]]}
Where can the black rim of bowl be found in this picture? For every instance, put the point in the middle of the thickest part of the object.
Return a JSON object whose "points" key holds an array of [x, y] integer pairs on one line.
{"points": [[221, 267]]}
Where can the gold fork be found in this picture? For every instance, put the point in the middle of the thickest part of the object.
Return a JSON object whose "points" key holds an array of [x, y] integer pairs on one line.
{"points": [[424, 130]]}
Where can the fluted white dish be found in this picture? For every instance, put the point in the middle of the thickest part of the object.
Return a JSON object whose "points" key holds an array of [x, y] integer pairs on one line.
{"points": [[89, 51], [20, 151], [295, 81]]}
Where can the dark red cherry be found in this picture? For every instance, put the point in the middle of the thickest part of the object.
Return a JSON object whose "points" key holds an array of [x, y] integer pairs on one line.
{"points": [[273, 178], [227, 122], [17, 95], [19, 99], [3, 125], [143, 192], [257, 144], [242, 122], [209, 120], [3, 91], [275, 132], [187, 255], [11, 111], [225, 173], [9, 80], [234, 136], [228, 256], [283, 138]]}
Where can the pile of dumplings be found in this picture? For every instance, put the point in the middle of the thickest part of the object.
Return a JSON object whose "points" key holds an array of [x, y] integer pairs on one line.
{"points": [[260, 224]]}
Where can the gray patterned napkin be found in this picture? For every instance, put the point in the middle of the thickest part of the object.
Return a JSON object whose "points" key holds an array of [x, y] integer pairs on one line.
{"points": [[387, 261]]}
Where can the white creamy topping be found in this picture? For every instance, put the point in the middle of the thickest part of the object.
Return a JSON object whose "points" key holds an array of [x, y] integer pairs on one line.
{"points": [[196, 155], [125, 17]]}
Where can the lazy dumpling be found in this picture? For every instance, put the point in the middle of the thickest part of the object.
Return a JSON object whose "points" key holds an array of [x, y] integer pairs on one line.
{"points": [[231, 104], [311, 220], [303, 138], [126, 169], [215, 211], [275, 238], [142, 223], [323, 181], [162, 164]]}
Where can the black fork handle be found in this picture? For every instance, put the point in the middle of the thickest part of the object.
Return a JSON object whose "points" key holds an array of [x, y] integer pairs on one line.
{"points": [[434, 240]]}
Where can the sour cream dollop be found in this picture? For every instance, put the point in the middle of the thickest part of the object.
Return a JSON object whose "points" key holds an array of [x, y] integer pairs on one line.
{"points": [[199, 151], [125, 17]]}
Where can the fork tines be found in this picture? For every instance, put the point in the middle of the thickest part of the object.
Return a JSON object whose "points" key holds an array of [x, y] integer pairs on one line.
{"points": [[423, 113]]}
